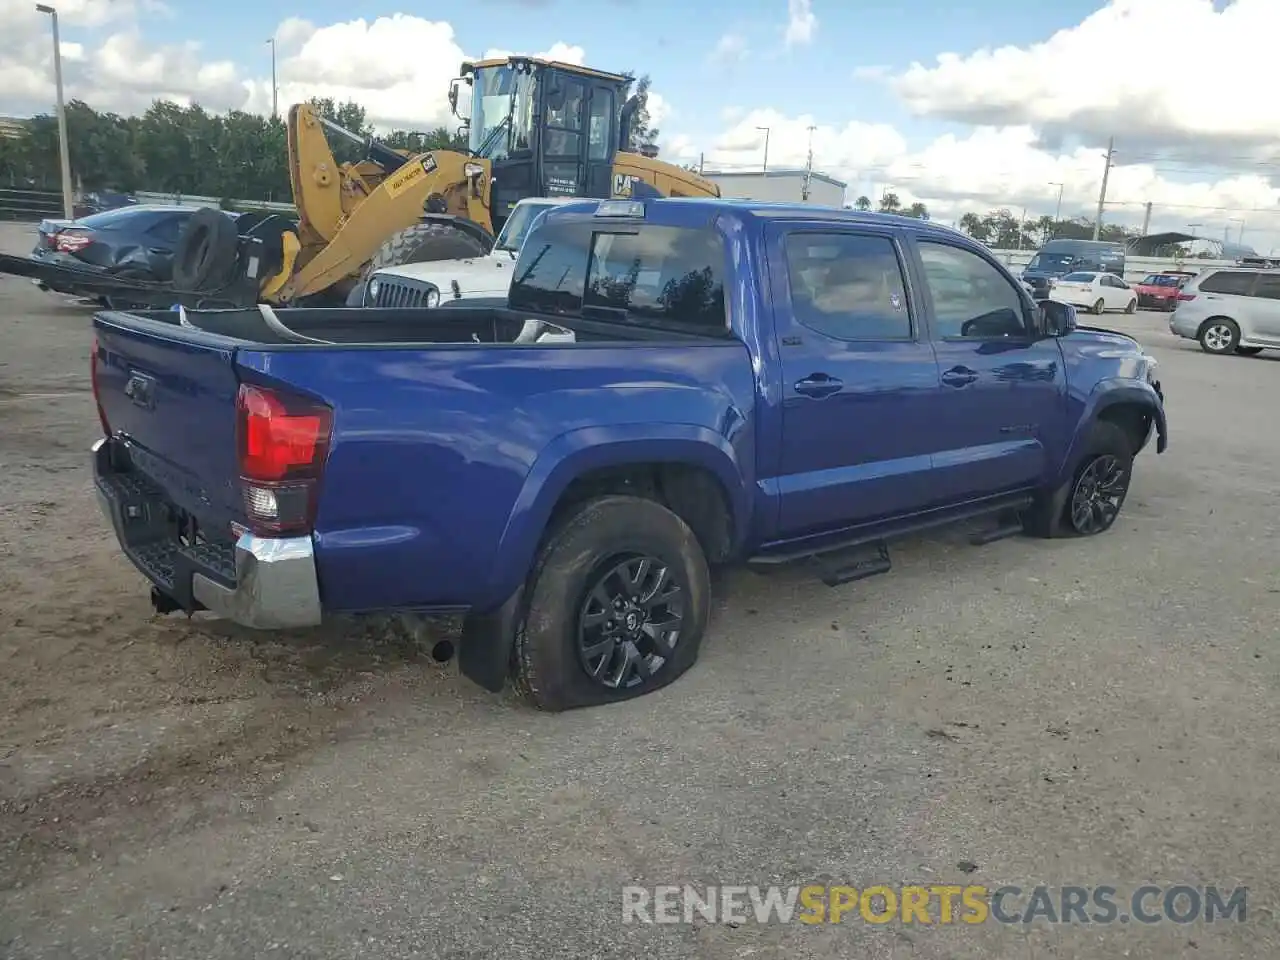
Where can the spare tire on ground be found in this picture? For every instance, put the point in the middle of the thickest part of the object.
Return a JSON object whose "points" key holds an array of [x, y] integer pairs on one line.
{"points": [[205, 259]]}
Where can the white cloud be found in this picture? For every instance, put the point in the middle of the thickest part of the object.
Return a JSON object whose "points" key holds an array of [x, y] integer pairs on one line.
{"points": [[801, 23], [730, 48], [1143, 97]]}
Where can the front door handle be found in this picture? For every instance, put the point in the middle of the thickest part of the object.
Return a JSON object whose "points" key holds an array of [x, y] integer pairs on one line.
{"points": [[819, 385], [959, 377]]}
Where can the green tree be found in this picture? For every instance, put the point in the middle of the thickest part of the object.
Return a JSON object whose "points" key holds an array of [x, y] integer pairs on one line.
{"points": [[890, 203], [643, 133], [862, 203], [917, 210]]}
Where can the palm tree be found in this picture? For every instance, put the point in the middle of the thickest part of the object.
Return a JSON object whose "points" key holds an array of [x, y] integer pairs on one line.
{"points": [[862, 203], [889, 203], [918, 210], [972, 224]]}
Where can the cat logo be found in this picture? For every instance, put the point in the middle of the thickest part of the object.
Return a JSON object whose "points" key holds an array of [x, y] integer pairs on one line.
{"points": [[622, 185]]}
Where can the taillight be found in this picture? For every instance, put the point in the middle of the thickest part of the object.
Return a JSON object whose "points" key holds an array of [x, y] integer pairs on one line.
{"points": [[1186, 296], [282, 441], [94, 361], [67, 242]]}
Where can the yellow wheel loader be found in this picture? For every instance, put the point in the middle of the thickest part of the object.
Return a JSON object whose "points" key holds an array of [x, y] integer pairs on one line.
{"points": [[535, 128]]}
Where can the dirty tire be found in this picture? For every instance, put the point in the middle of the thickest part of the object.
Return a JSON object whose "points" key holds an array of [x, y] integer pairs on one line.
{"points": [[1131, 306], [1219, 335], [205, 258], [1248, 351], [1050, 516], [1099, 308], [547, 669], [422, 243]]}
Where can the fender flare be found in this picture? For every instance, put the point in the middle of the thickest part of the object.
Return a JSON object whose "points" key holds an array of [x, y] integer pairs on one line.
{"points": [[576, 452], [1108, 393]]}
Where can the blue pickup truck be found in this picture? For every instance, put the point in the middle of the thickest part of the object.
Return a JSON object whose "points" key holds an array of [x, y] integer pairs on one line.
{"points": [[670, 386]]}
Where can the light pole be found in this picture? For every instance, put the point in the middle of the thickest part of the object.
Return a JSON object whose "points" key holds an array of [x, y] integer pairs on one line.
{"points": [[68, 207], [764, 167], [275, 89], [1057, 214], [1240, 238]]}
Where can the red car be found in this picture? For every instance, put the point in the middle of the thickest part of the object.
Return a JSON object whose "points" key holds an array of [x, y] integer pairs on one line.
{"points": [[1160, 290]]}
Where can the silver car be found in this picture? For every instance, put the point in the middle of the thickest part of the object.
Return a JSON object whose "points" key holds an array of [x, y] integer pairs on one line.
{"points": [[1230, 310]]}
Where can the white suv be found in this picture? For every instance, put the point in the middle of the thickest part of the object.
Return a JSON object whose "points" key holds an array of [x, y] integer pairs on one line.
{"points": [[1230, 310]]}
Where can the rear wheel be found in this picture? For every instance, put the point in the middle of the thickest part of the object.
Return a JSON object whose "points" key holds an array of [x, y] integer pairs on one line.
{"points": [[1132, 306], [1219, 335], [424, 242], [618, 602], [1099, 307]]}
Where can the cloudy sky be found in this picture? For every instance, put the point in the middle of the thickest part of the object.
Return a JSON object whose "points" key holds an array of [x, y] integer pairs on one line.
{"points": [[963, 105]]}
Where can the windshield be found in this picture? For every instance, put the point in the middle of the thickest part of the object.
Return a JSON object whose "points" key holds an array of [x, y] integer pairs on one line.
{"points": [[494, 92], [1160, 280], [1078, 278], [1051, 261], [517, 226]]}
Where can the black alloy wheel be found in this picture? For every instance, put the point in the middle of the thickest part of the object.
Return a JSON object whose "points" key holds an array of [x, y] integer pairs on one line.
{"points": [[1098, 494], [630, 620]]}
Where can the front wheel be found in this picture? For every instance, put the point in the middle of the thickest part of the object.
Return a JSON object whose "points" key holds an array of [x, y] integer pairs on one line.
{"points": [[1090, 502], [1219, 335], [1099, 307], [618, 602]]}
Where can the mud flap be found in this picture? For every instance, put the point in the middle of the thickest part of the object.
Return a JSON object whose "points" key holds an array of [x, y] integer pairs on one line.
{"points": [[484, 654]]}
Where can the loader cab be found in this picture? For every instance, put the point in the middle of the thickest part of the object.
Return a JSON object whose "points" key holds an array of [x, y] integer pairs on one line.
{"points": [[550, 129]]}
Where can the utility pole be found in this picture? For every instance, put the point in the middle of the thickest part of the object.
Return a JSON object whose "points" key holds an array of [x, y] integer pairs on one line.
{"points": [[764, 167], [275, 87], [808, 167], [1021, 224], [1102, 194], [1146, 219], [64, 151], [702, 157]]}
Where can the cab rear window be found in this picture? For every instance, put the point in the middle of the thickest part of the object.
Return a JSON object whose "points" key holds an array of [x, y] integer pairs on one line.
{"points": [[646, 274]]}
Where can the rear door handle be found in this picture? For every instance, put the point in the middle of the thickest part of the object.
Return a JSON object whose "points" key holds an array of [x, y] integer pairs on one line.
{"points": [[819, 385], [959, 377]]}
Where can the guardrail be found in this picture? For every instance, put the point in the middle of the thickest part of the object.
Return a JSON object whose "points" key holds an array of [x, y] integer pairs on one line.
{"points": [[29, 205], [187, 200]]}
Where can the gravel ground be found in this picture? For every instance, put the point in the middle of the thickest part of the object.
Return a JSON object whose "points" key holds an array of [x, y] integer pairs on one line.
{"points": [[1091, 713]]}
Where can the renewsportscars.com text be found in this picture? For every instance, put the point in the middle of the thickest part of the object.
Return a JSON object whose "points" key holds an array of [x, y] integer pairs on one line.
{"points": [[934, 904]]}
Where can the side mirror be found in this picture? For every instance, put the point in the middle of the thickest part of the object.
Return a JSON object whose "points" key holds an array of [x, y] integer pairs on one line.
{"points": [[1057, 318]]}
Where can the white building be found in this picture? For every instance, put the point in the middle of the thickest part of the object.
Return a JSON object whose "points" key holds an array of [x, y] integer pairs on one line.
{"points": [[781, 185]]}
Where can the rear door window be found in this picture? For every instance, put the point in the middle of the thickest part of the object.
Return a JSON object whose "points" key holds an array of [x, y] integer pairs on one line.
{"points": [[168, 229], [666, 277], [1237, 282], [1078, 278], [848, 286]]}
